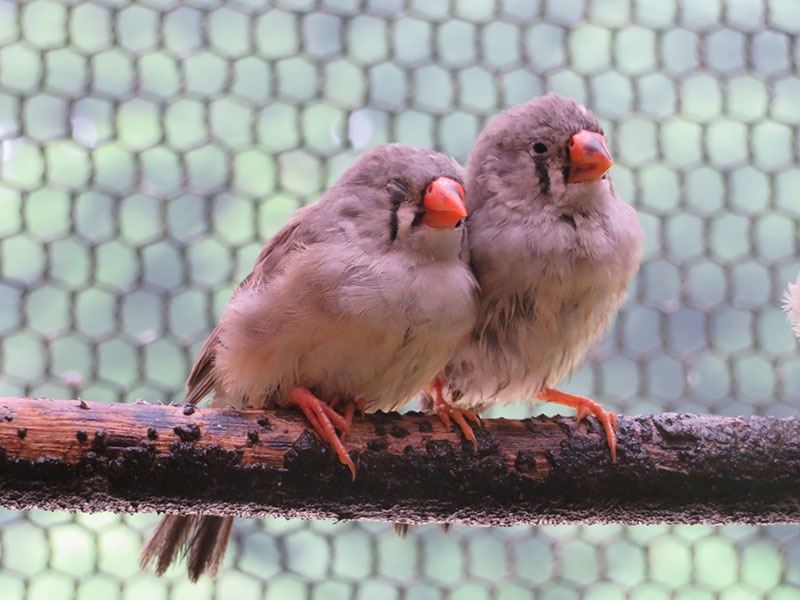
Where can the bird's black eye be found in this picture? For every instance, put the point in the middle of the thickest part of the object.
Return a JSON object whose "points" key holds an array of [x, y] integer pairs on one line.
{"points": [[397, 190], [539, 148]]}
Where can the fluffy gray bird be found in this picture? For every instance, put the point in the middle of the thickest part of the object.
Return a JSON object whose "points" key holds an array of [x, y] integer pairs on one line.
{"points": [[553, 248], [362, 296]]}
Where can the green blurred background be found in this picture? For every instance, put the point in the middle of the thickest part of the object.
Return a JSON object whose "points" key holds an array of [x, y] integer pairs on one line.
{"points": [[148, 150]]}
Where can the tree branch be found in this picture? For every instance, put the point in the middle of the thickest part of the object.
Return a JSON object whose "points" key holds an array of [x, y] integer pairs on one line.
{"points": [[73, 455]]}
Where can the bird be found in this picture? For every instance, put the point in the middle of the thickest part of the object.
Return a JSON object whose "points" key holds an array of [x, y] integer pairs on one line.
{"points": [[553, 248], [362, 297], [791, 304]]}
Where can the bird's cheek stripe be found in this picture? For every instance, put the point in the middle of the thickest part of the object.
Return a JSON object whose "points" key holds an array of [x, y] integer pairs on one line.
{"points": [[393, 225], [544, 177]]}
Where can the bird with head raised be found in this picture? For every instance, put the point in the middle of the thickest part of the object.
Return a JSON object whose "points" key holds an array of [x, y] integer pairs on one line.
{"points": [[361, 298], [553, 248]]}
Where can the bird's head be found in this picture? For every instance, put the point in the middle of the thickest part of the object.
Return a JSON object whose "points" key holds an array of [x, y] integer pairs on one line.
{"points": [[406, 197], [551, 149]]}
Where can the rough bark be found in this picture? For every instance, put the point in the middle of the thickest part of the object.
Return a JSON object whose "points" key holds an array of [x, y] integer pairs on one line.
{"points": [[73, 455]]}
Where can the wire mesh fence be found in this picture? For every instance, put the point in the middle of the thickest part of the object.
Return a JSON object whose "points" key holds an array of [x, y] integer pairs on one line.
{"points": [[147, 151]]}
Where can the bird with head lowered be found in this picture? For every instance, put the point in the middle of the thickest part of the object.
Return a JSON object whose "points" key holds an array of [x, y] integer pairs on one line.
{"points": [[360, 300]]}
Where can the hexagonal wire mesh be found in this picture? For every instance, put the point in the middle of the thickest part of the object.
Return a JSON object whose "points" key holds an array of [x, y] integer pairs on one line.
{"points": [[149, 150]]}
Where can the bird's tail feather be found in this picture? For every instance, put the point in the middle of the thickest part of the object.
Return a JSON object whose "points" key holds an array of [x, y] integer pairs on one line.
{"points": [[401, 529], [200, 537]]}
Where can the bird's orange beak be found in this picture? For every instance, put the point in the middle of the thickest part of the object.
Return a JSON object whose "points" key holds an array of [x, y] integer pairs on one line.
{"points": [[589, 157], [444, 203]]}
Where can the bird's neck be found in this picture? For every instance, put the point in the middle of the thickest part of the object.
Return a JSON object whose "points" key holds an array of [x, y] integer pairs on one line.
{"points": [[435, 245]]}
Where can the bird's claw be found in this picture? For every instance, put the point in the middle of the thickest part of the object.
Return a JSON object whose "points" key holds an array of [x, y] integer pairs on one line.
{"points": [[324, 419], [584, 408], [445, 411]]}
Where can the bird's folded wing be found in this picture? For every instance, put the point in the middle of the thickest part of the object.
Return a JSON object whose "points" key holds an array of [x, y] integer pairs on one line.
{"points": [[298, 233]]}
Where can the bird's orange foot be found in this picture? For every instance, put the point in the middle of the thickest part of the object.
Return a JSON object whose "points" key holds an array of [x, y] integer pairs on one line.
{"points": [[584, 407], [324, 420], [446, 411], [349, 410]]}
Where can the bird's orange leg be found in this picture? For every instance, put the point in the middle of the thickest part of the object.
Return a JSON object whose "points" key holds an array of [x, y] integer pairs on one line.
{"points": [[584, 407], [338, 420], [444, 411], [319, 415], [349, 411], [361, 406]]}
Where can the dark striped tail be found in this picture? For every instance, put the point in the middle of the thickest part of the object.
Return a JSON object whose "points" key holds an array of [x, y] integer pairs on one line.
{"points": [[202, 538]]}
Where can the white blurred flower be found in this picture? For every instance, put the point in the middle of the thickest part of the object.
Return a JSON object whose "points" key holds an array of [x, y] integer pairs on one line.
{"points": [[791, 304]]}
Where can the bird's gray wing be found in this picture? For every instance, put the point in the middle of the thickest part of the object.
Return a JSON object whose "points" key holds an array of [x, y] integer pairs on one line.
{"points": [[298, 233]]}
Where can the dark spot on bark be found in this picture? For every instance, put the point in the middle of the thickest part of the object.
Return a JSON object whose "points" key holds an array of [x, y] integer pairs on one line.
{"points": [[487, 444], [425, 427], [645, 433], [531, 426], [83, 406], [281, 444], [398, 432], [409, 450], [152, 434], [99, 441], [525, 462], [188, 433], [122, 441], [22, 432], [378, 444], [252, 438], [380, 429], [581, 445], [264, 423], [675, 432], [305, 454], [8, 418], [566, 426], [438, 448], [82, 437], [188, 410]]}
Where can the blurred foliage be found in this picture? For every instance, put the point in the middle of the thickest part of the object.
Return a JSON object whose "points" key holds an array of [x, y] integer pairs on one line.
{"points": [[148, 150]]}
